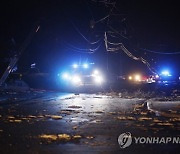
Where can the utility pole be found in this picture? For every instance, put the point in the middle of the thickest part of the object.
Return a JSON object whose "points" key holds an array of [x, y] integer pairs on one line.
{"points": [[16, 57]]}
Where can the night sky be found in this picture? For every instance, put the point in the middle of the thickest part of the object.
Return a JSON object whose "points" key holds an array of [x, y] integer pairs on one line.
{"points": [[67, 31]]}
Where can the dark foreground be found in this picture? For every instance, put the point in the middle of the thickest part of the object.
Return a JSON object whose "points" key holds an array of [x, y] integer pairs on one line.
{"points": [[52, 122]]}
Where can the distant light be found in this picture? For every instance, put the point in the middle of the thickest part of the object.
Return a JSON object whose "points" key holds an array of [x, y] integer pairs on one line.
{"points": [[65, 76], [76, 79], [165, 73], [96, 72], [130, 77], [137, 77], [157, 76], [98, 79], [85, 65], [75, 65], [33, 65]]}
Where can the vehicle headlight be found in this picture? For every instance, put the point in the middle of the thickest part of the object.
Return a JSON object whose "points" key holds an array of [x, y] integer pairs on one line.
{"points": [[137, 77], [96, 72], [65, 76], [75, 65], [98, 79], [85, 65], [130, 77], [76, 79]]}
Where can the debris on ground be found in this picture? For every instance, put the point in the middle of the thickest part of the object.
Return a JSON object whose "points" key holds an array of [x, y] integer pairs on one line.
{"points": [[144, 118], [15, 121], [74, 106], [64, 137], [48, 137], [56, 117], [59, 137]]}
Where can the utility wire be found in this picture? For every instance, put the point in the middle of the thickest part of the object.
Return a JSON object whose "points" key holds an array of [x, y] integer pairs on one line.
{"points": [[84, 36], [83, 50], [163, 53], [127, 52], [117, 32]]}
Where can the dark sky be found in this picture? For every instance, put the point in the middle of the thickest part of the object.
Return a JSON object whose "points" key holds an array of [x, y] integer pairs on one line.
{"points": [[65, 30]]}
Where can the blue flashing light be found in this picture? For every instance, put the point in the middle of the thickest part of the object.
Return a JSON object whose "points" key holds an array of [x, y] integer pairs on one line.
{"points": [[65, 76], [75, 65], [166, 73], [85, 65]]}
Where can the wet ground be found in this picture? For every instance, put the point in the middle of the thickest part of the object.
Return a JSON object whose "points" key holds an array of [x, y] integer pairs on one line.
{"points": [[53, 122]]}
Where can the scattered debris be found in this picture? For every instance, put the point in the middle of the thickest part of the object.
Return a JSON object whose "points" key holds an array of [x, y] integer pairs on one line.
{"points": [[97, 97], [144, 118], [56, 117], [15, 121], [113, 113], [75, 127], [75, 107], [64, 137], [68, 112], [99, 112], [40, 116], [175, 119], [172, 111], [31, 116], [59, 137], [156, 120], [89, 137], [11, 117], [49, 137], [130, 118], [165, 124], [121, 118], [77, 137], [143, 113], [96, 121]]}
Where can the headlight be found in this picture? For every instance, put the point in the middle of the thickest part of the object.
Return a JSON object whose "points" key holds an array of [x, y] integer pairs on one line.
{"points": [[157, 76], [75, 65], [166, 73], [98, 79], [76, 79], [85, 65], [130, 77], [96, 72], [137, 77], [65, 76]]}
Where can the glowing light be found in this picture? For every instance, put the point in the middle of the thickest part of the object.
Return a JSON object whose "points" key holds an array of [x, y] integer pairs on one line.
{"points": [[98, 79], [96, 72], [85, 65], [75, 65], [65, 76], [165, 73], [137, 77], [130, 78], [76, 79], [157, 76]]}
